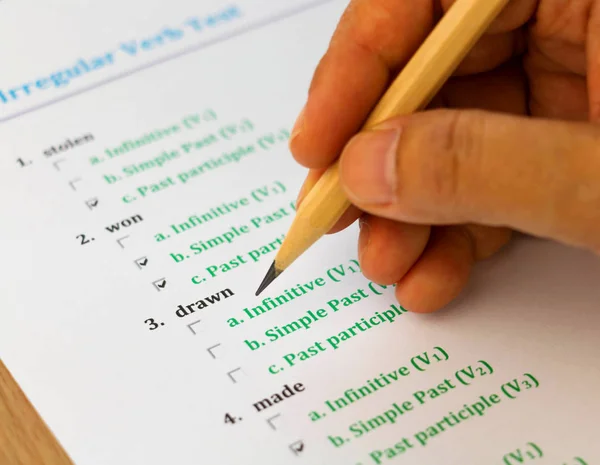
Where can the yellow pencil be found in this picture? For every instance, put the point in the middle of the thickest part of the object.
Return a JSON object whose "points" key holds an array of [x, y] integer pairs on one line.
{"points": [[431, 66]]}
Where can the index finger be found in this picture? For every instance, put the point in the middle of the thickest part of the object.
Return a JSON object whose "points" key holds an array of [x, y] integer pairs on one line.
{"points": [[373, 39]]}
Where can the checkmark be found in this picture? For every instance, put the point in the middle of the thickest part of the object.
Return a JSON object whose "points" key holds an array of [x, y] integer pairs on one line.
{"points": [[91, 203], [160, 284], [141, 262], [297, 447]]}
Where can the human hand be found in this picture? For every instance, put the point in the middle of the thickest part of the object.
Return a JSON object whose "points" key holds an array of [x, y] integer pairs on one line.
{"points": [[518, 148]]}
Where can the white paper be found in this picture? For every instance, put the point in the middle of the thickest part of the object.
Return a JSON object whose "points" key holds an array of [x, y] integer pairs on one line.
{"points": [[82, 213]]}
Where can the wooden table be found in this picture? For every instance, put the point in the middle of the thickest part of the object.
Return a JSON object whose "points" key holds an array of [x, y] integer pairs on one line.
{"points": [[24, 437]]}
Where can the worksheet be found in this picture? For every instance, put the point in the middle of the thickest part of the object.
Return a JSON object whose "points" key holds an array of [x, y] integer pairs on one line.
{"points": [[146, 187]]}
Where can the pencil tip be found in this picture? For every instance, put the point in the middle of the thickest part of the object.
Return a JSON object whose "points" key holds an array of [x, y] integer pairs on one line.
{"points": [[268, 279]]}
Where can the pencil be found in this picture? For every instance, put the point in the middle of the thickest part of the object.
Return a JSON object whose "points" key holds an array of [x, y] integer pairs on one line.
{"points": [[427, 71]]}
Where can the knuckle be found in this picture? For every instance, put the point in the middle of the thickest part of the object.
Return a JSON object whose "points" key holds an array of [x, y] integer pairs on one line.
{"points": [[374, 28], [450, 156]]}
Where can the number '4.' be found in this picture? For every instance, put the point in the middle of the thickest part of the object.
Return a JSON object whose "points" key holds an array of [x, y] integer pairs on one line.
{"points": [[229, 419]]}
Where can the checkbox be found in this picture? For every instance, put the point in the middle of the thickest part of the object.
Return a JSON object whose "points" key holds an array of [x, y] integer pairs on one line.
{"points": [[273, 421], [213, 350], [235, 375], [121, 240], [73, 183], [160, 284], [92, 203], [297, 447], [195, 329], [141, 262], [57, 164]]}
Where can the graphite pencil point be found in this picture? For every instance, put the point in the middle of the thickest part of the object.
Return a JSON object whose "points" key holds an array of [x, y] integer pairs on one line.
{"points": [[268, 279]]}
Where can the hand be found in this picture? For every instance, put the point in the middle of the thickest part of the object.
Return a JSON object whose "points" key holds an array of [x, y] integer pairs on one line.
{"points": [[519, 148]]}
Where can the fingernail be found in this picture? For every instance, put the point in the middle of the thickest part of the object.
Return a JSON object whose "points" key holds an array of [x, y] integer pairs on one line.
{"points": [[368, 166], [298, 125]]}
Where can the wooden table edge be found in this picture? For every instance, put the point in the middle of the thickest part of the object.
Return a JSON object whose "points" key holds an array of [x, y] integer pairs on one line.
{"points": [[24, 437]]}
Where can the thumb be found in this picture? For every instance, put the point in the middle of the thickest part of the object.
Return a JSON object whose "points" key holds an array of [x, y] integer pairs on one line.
{"points": [[541, 177]]}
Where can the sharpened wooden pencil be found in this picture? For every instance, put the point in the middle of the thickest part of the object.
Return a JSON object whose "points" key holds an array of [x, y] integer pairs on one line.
{"points": [[431, 66]]}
